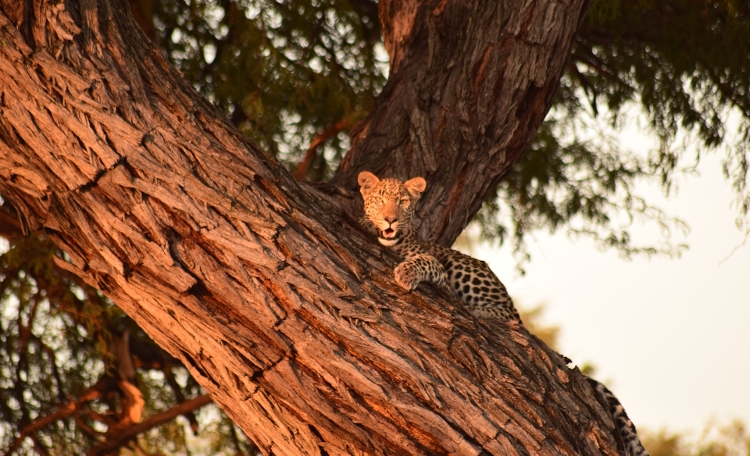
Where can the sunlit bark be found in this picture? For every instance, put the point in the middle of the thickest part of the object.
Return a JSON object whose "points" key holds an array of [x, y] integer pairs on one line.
{"points": [[470, 84], [280, 306]]}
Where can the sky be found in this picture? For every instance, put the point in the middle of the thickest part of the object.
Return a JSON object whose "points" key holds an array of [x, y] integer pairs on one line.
{"points": [[671, 337]]}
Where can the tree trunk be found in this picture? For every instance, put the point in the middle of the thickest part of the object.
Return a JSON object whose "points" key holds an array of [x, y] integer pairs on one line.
{"points": [[279, 305], [471, 82]]}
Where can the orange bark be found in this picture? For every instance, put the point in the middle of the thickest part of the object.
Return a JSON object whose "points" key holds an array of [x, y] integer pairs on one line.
{"points": [[280, 306]]}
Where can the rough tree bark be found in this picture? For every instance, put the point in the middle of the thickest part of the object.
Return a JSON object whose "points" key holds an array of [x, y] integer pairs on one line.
{"points": [[280, 306], [471, 82]]}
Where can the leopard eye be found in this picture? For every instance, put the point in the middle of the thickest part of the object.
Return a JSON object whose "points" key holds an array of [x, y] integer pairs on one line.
{"points": [[404, 201]]}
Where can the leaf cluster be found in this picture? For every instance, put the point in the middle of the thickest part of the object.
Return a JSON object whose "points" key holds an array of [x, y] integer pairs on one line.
{"points": [[685, 66], [282, 71]]}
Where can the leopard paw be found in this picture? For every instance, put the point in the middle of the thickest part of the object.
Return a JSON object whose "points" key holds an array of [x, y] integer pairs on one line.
{"points": [[405, 276]]}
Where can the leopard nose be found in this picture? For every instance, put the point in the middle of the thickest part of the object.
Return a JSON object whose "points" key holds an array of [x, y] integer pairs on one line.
{"points": [[390, 219]]}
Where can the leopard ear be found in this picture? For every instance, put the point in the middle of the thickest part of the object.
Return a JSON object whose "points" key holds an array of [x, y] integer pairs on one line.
{"points": [[415, 187], [367, 183]]}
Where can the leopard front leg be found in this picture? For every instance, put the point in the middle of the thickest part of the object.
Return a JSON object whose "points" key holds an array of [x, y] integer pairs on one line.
{"points": [[420, 268]]}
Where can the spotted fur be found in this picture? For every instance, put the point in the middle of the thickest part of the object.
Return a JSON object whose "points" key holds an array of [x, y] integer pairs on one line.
{"points": [[626, 428], [389, 209], [389, 212]]}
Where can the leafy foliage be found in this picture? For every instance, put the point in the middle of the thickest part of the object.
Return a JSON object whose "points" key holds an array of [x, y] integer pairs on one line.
{"points": [[46, 355], [283, 71], [586, 186], [686, 66]]}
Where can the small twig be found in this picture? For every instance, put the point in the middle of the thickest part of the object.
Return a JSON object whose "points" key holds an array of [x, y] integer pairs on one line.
{"points": [[117, 440], [38, 446], [736, 247], [64, 411], [321, 138], [172, 382], [600, 66], [85, 427]]}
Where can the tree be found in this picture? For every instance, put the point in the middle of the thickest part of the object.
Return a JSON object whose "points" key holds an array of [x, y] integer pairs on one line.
{"points": [[212, 51], [236, 270]]}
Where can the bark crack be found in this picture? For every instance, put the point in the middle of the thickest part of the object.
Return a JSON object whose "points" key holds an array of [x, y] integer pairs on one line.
{"points": [[94, 181]]}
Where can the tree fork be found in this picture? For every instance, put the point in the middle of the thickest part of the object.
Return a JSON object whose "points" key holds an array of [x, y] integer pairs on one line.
{"points": [[294, 327], [471, 82]]}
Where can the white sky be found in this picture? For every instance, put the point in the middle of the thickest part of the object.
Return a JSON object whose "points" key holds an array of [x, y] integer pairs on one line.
{"points": [[670, 336]]}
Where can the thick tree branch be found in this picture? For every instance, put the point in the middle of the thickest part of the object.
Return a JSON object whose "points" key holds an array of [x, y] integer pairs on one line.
{"points": [[471, 82], [277, 303]]}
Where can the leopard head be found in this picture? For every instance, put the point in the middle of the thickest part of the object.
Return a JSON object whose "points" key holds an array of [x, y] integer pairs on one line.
{"points": [[389, 205]]}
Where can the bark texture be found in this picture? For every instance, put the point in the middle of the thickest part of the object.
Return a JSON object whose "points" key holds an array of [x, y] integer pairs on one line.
{"points": [[280, 306], [471, 82]]}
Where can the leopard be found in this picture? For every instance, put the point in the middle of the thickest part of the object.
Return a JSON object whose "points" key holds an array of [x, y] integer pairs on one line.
{"points": [[389, 209]]}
